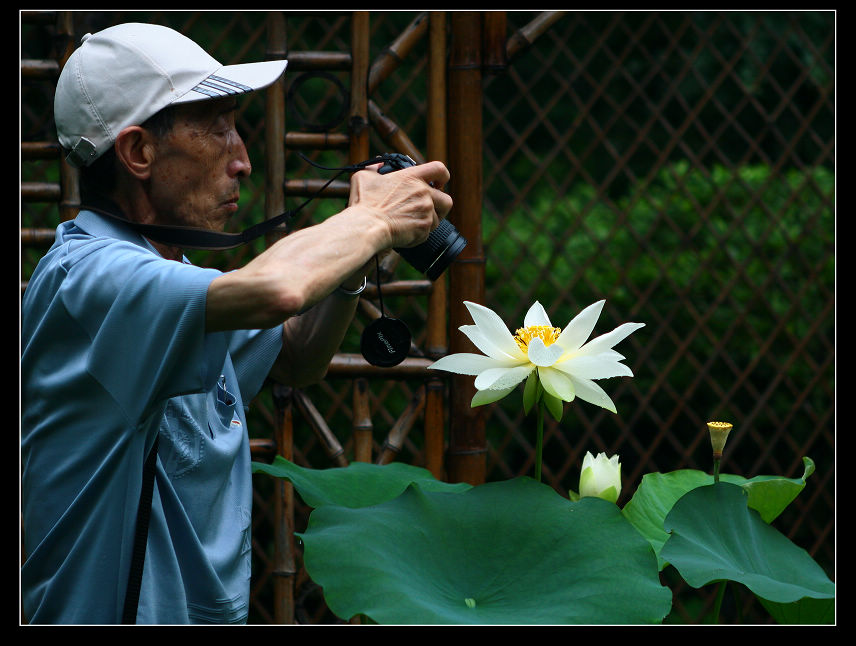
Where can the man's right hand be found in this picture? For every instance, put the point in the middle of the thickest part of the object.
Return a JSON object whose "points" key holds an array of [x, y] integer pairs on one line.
{"points": [[411, 201]]}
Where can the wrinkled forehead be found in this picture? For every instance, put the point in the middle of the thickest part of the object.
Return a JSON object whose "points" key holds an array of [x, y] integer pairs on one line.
{"points": [[206, 110], [202, 116]]}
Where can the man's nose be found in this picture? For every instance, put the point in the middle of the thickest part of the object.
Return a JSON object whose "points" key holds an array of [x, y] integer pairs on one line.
{"points": [[239, 164]]}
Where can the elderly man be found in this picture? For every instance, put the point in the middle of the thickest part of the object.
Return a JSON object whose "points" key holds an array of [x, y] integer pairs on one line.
{"points": [[127, 346]]}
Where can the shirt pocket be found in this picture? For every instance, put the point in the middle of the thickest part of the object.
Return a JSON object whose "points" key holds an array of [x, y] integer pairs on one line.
{"points": [[225, 417], [182, 444]]}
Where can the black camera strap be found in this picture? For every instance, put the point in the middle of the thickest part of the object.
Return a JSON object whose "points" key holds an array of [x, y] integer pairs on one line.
{"points": [[141, 534], [187, 237]]}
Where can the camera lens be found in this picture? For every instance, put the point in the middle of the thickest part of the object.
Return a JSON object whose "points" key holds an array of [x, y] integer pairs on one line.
{"points": [[433, 256]]}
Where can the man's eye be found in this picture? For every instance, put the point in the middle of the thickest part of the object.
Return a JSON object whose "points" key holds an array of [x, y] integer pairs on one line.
{"points": [[224, 131]]}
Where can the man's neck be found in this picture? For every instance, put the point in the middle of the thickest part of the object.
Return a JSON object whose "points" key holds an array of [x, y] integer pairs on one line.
{"points": [[170, 253], [167, 251]]}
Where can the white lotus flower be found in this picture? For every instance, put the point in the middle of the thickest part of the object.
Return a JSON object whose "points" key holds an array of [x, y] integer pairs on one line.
{"points": [[600, 477], [566, 365]]}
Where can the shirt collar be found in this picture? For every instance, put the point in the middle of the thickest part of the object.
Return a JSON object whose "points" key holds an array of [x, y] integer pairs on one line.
{"points": [[99, 225]]}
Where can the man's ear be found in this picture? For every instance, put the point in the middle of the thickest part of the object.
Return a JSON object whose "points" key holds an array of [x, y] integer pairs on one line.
{"points": [[135, 151]]}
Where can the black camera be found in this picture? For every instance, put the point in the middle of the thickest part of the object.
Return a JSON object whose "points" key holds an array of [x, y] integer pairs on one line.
{"points": [[433, 256]]}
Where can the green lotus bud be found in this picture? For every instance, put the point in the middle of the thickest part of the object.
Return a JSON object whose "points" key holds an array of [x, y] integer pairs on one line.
{"points": [[600, 477]]}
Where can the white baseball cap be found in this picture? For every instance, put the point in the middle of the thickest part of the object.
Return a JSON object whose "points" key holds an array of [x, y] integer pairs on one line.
{"points": [[121, 76]]}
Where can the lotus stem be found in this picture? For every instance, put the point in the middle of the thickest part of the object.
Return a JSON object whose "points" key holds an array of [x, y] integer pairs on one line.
{"points": [[539, 439], [718, 603]]}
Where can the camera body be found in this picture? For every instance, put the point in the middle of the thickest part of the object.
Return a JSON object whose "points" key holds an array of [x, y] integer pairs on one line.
{"points": [[443, 245]]}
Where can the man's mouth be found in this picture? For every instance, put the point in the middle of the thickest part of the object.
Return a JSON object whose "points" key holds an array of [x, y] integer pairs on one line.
{"points": [[232, 204]]}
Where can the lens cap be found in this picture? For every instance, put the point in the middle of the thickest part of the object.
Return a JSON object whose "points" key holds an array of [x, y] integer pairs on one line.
{"points": [[385, 342]]}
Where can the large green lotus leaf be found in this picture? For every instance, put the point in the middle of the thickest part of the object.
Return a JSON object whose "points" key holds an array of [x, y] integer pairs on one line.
{"points": [[511, 552], [358, 485], [715, 536], [658, 492]]}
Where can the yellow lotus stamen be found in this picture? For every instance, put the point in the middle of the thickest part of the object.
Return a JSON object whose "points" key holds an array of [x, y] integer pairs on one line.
{"points": [[547, 334]]}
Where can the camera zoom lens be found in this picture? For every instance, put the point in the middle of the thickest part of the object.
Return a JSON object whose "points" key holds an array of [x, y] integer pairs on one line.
{"points": [[433, 256]]}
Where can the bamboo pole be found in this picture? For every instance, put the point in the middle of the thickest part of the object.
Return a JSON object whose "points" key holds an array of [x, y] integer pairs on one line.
{"points": [[275, 126], [401, 288], [522, 39], [316, 140], [284, 569], [310, 186], [39, 70], [359, 124], [392, 135], [391, 57], [398, 433], [358, 127], [37, 237], [32, 150], [262, 448], [436, 336], [467, 440], [362, 421], [41, 191], [493, 39], [347, 365], [284, 566], [328, 439], [312, 61]]}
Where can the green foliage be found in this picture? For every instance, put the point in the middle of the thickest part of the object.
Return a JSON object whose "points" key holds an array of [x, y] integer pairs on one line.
{"points": [[715, 536], [686, 230], [658, 493]]}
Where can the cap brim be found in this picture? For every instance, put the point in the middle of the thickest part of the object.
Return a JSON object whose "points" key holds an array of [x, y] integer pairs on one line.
{"points": [[235, 79]]}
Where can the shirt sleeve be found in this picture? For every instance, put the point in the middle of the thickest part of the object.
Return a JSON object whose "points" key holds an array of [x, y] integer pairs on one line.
{"points": [[253, 354], [145, 316]]}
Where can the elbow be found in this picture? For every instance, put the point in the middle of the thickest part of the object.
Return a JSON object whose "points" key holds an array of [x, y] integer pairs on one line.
{"points": [[286, 303], [298, 373], [310, 376]]}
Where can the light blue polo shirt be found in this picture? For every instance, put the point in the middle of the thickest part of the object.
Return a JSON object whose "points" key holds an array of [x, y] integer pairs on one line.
{"points": [[114, 351]]}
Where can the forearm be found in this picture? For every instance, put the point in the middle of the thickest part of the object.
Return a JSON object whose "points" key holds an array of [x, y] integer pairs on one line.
{"points": [[295, 273], [311, 339]]}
